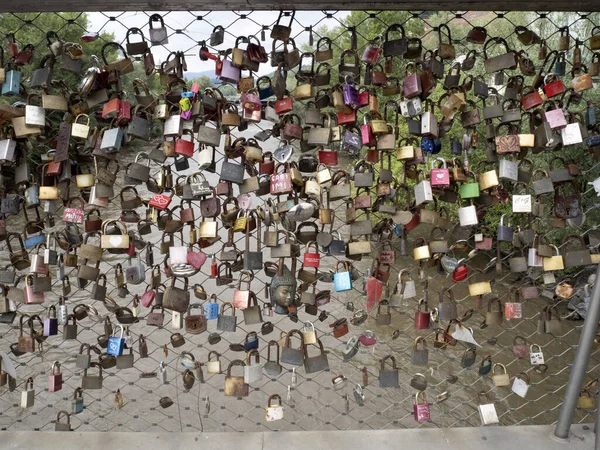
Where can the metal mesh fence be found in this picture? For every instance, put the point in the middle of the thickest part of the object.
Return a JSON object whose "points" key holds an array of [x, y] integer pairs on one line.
{"points": [[313, 403]]}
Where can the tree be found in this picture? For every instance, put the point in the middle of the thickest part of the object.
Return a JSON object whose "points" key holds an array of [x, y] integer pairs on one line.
{"points": [[203, 80], [31, 28]]}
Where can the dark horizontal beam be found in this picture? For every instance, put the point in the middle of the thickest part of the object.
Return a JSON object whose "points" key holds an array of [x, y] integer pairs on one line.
{"points": [[178, 5]]}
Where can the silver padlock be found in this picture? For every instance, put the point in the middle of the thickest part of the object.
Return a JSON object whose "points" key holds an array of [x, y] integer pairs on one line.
{"points": [[429, 125], [128, 338], [7, 149], [50, 253], [423, 193], [467, 216], [49, 206], [162, 368], [173, 126], [112, 140], [35, 116], [28, 395], [177, 320], [533, 259], [509, 170], [62, 313]]}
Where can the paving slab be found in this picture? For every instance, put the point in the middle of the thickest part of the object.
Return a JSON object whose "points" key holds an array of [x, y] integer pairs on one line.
{"points": [[482, 438]]}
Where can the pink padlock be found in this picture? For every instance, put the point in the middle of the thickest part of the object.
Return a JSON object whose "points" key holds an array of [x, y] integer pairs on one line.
{"points": [[411, 85], [251, 101], [556, 118], [230, 73], [366, 133], [421, 410], [440, 176]]}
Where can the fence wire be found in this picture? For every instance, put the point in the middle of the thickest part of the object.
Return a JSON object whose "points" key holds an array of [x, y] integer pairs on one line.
{"points": [[314, 404]]}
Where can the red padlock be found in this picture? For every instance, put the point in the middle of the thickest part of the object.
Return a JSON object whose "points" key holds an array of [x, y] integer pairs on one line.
{"points": [[328, 157], [513, 308], [218, 66], [531, 100], [414, 222], [267, 165], [284, 105], [311, 259], [185, 147], [553, 87], [372, 155], [346, 118], [422, 318], [460, 272], [13, 48], [124, 116], [363, 97], [372, 52], [111, 108], [160, 201]]}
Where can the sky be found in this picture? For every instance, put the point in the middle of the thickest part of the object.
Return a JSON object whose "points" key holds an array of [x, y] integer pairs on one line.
{"points": [[197, 30]]}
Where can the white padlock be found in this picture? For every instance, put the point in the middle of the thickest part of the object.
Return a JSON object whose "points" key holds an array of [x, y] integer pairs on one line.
{"points": [[521, 386]]}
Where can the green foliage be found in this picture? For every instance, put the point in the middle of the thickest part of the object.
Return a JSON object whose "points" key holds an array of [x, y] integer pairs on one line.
{"points": [[31, 28], [372, 25], [203, 81]]}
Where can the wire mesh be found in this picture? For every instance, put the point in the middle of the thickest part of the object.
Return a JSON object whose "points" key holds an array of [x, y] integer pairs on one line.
{"points": [[314, 403]]}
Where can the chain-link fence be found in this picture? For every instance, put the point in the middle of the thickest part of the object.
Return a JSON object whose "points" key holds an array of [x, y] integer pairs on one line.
{"points": [[312, 402]]}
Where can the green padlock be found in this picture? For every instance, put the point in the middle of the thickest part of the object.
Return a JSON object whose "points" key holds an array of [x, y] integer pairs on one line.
{"points": [[469, 190]]}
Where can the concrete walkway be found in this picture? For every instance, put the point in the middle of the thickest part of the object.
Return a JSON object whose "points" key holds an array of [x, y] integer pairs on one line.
{"points": [[488, 438]]}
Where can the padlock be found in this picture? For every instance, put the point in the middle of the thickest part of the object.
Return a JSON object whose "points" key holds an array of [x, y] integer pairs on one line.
{"points": [[536, 357], [520, 384], [116, 344], [468, 358], [77, 401], [500, 379], [487, 411], [420, 356], [388, 378], [55, 379], [28, 395]]}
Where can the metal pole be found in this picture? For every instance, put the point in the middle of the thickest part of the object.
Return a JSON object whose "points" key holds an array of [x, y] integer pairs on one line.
{"points": [[597, 429], [579, 368]]}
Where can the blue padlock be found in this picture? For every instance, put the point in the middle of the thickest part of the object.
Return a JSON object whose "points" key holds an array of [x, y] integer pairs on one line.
{"points": [[51, 322], [342, 280], [33, 241], [264, 91], [77, 401], [116, 344], [427, 145], [12, 83], [251, 341], [212, 308]]}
